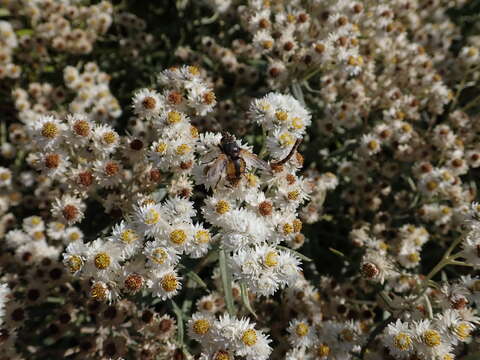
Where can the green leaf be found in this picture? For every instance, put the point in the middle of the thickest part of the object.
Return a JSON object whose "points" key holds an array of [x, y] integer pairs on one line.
{"points": [[193, 276], [296, 253], [246, 299], [337, 252], [178, 312], [23, 32], [226, 281]]}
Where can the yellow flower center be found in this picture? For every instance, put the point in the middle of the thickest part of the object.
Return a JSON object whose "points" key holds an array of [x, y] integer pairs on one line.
{"points": [[267, 44], [431, 338], [446, 210], [152, 217], [402, 341], [222, 207], [297, 225], [222, 355], [81, 128], [252, 180], [271, 259], [462, 331], [74, 236], [50, 130], [178, 236], [286, 140], [413, 257], [159, 255], [287, 229], [209, 97], [193, 131], [301, 329], [297, 123], [4, 176], [59, 226], [372, 145], [169, 283], [128, 236], [472, 52], [161, 148], [265, 106], [201, 326], [99, 291], [183, 149], [202, 236], [38, 235], [432, 185], [249, 337], [35, 220], [109, 137], [174, 117], [74, 263], [281, 115], [102, 260], [405, 127], [323, 350], [193, 70], [293, 195]]}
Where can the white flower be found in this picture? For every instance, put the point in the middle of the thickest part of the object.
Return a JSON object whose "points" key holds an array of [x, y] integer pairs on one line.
{"points": [[102, 259], [242, 228], [199, 327], [165, 283], [15, 238], [75, 256], [108, 172], [430, 341], [68, 209], [399, 339], [128, 237], [105, 140], [33, 224], [160, 256], [52, 164], [56, 230], [150, 219], [47, 132], [301, 333], [5, 177], [201, 242], [72, 233], [179, 209], [147, 103], [455, 329], [79, 130], [241, 337], [376, 267]]}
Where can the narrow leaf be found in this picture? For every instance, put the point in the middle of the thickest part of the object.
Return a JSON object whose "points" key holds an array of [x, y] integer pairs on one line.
{"points": [[193, 276], [337, 252], [246, 299], [226, 281], [179, 314]]}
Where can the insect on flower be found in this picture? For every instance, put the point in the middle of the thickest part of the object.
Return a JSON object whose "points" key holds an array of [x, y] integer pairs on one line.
{"points": [[290, 154], [234, 160]]}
